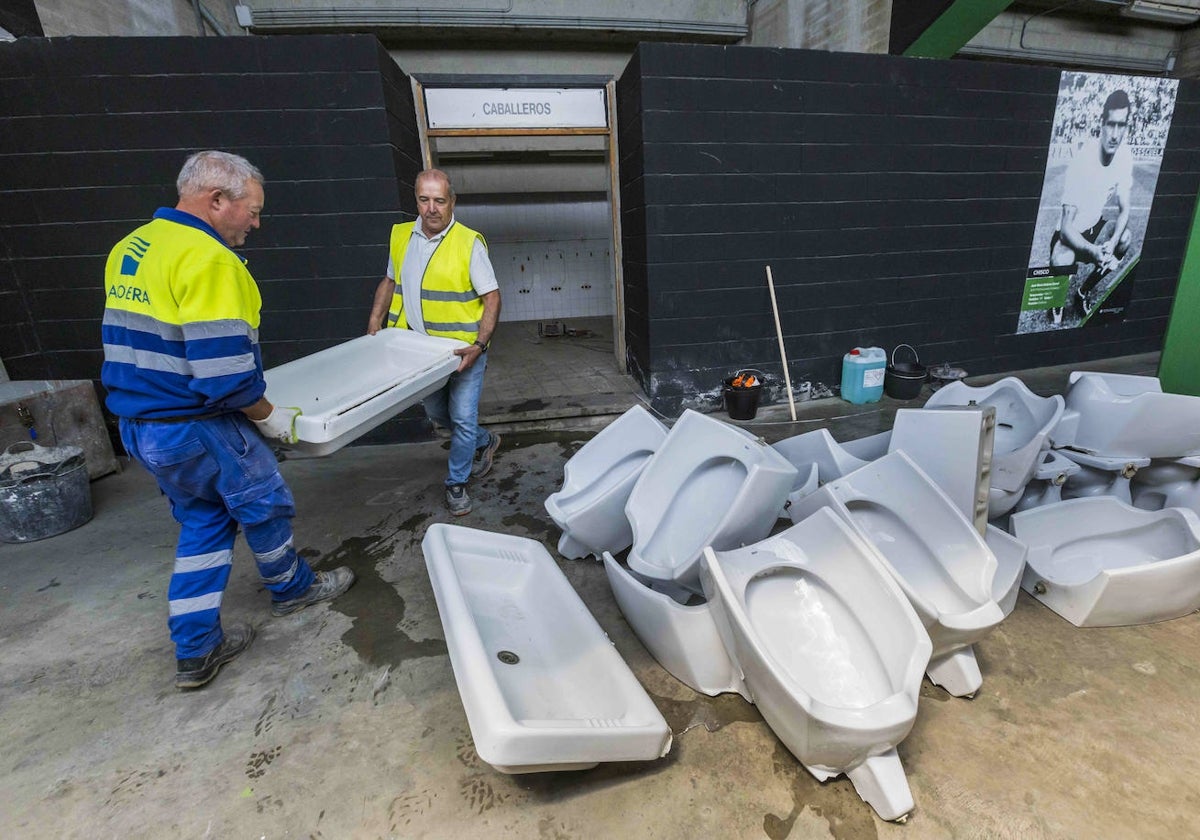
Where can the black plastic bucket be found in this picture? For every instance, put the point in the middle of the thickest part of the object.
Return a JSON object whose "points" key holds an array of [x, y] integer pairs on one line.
{"points": [[903, 380], [43, 491], [741, 403]]}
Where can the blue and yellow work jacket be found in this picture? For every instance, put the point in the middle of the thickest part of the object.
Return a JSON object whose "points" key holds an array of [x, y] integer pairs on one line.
{"points": [[180, 323], [450, 306]]}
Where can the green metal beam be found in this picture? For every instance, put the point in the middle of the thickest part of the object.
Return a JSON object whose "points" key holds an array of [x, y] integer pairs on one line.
{"points": [[1179, 365], [954, 27]]}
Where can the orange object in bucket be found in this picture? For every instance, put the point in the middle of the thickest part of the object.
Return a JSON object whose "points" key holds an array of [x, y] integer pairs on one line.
{"points": [[742, 392]]}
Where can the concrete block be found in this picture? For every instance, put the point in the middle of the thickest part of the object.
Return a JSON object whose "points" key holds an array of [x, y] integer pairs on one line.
{"points": [[63, 411]]}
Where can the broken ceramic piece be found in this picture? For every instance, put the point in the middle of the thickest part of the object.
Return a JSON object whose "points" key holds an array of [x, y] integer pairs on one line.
{"points": [[1098, 562]]}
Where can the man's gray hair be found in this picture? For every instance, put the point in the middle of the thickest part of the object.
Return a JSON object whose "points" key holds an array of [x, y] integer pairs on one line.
{"points": [[216, 170]]}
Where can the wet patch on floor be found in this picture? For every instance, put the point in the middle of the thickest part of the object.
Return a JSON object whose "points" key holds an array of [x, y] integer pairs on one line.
{"points": [[834, 801], [534, 527], [375, 606], [712, 713], [561, 785], [528, 405], [933, 692]]}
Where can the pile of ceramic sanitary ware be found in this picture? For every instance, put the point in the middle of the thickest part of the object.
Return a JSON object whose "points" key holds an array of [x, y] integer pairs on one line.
{"points": [[904, 550]]}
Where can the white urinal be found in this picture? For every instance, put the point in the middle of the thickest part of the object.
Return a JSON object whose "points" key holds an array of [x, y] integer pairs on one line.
{"points": [[952, 445], [1168, 482], [804, 484], [1101, 475], [683, 638], [597, 481], [1052, 472], [829, 648], [1116, 414], [1024, 422], [1099, 562], [818, 447], [542, 686], [710, 483], [869, 448], [939, 559], [1010, 567]]}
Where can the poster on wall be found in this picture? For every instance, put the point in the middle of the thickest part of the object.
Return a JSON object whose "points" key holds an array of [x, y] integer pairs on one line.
{"points": [[1106, 147]]}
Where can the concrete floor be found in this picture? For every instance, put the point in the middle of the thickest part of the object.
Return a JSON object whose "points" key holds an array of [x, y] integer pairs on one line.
{"points": [[554, 382], [343, 720]]}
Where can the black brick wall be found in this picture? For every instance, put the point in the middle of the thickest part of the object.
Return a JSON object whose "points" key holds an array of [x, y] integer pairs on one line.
{"points": [[93, 132], [894, 199]]}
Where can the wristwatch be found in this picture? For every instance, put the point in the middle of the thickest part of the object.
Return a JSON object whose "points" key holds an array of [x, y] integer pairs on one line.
{"points": [[480, 345]]}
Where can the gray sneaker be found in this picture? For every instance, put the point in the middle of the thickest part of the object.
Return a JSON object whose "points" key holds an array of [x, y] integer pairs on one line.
{"points": [[326, 587], [457, 500], [193, 673], [484, 456]]}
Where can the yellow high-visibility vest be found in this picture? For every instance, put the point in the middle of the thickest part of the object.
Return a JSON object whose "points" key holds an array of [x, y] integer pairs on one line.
{"points": [[450, 306]]}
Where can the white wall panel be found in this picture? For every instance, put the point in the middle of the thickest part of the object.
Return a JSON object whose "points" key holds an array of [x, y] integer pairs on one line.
{"points": [[553, 258]]}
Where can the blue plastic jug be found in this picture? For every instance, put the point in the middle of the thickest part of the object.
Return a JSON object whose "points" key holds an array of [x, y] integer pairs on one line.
{"points": [[862, 374]]}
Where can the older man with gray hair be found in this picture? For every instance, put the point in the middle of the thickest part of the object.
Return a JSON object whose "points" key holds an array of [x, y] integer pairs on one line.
{"points": [[185, 376]]}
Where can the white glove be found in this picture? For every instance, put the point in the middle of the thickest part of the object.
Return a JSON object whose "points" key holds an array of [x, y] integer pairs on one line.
{"points": [[279, 425]]}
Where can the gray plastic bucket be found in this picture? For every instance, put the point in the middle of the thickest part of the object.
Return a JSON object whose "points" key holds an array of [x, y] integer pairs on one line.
{"points": [[44, 491]]}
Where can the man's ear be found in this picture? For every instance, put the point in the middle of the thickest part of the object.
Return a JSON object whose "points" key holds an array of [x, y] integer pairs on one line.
{"points": [[215, 198]]}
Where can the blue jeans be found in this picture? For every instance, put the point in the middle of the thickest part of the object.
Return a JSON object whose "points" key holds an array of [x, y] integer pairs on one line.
{"points": [[218, 473], [456, 407]]}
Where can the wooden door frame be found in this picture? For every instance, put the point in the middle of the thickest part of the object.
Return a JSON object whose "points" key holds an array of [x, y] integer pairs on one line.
{"points": [[424, 133]]}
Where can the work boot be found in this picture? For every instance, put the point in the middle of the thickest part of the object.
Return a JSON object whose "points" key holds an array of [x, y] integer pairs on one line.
{"points": [[484, 456], [195, 672], [457, 500], [326, 587]]}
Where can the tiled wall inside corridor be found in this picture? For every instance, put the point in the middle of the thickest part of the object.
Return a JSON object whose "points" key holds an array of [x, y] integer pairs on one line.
{"points": [[553, 257]]}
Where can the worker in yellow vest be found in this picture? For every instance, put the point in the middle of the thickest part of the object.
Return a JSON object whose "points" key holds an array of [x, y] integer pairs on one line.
{"points": [[440, 281]]}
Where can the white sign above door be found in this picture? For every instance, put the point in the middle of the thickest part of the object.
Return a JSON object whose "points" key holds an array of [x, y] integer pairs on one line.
{"points": [[515, 108]]}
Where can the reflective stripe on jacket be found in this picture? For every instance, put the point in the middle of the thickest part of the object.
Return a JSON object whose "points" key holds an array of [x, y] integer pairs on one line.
{"points": [[180, 327], [450, 306]]}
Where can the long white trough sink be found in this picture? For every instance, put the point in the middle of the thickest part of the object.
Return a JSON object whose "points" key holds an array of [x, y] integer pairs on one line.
{"points": [[347, 390], [542, 686]]}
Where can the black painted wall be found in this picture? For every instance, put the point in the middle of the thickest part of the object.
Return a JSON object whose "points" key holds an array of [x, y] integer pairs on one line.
{"points": [[894, 199], [93, 132]]}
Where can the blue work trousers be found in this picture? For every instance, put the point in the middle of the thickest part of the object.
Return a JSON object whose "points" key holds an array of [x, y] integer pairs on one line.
{"points": [[218, 473], [456, 407]]}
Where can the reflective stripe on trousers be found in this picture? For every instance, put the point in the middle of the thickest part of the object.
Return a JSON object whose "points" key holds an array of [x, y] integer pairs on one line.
{"points": [[218, 473]]}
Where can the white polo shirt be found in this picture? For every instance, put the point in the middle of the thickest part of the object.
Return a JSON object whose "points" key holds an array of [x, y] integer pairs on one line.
{"points": [[416, 260], [1089, 185]]}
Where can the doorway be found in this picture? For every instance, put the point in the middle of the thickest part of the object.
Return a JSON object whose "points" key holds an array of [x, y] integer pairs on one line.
{"points": [[535, 172]]}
